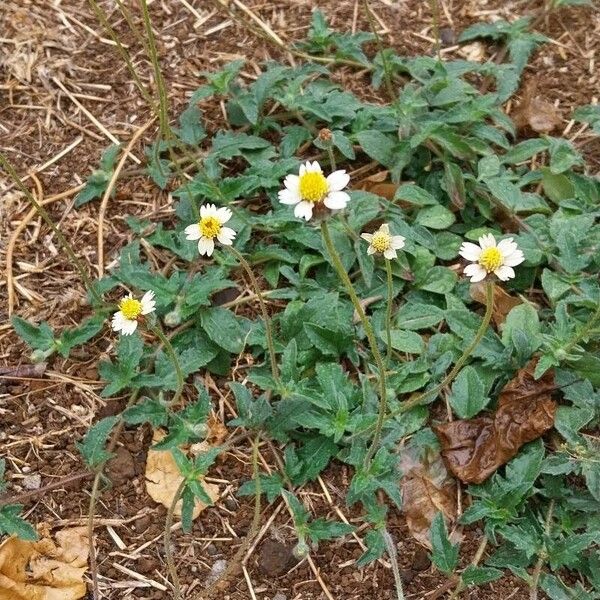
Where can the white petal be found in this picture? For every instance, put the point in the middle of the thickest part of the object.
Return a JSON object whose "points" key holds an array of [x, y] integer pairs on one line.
{"points": [[128, 327], [304, 210], [223, 214], [208, 210], [390, 253], [507, 246], [397, 242], [148, 302], [487, 241], [514, 259], [226, 236], [314, 167], [367, 236], [303, 169], [336, 200], [292, 182], [475, 272], [470, 251], [117, 321], [192, 232], [338, 180], [384, 228], [206, 246], [371, 250], [504, 273], [288, 196]]}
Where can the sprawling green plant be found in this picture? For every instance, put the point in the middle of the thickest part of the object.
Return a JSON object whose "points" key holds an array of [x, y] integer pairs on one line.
{"points": [[378, 320]]}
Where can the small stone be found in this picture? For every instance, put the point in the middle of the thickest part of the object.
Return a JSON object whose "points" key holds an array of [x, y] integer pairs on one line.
{"points": [[279, 596], [275, 558], [211, 549], [421, 560], [216, 571], [32, 482]]}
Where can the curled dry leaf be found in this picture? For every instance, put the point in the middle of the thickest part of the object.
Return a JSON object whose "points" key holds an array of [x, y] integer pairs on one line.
{"points": [[380, 185], [503, 301], [474, 52], [474, 448], [426, 490], [45, 570], [163, 479], [534, 113]]}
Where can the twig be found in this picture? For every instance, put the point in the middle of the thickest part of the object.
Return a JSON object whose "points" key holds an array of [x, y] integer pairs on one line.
{"points": [[109, 190]]}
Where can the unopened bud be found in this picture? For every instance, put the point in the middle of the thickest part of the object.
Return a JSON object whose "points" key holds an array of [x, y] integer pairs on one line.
{"points": [[173, 318], [301, 550], [325, 135]]}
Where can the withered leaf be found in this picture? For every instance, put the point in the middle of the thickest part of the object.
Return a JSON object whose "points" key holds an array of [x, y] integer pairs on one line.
{"points": [[45, 570], [426, 490], [474, 448], [380, 185], [535, 113], [503, 301]]}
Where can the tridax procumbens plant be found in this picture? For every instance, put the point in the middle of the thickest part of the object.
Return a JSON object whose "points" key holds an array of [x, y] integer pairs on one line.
{"points": [[458, 304]]}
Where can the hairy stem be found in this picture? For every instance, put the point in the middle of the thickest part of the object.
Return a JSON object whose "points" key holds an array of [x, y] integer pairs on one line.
{"points": [[171, 352], [167, 541], [476, 560], [343, 275], [391, 550], [388, 314], [263, 308], [537, 571], [4, 162]]}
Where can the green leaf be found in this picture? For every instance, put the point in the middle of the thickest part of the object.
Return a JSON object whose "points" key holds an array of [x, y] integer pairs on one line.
{"points": [[404, 341], [191, 129], [468, 395], [591, 471], [418, 316], [321, 529], [11, 523], [37, 337], [415, 195], [375, 547], [439, 280], [223, 328], [270, 485], [93, 444], [119, 375], [435, 217], [479, 575], [79, 335], [148, 411], [556, 186], [444, 554], [522, 320], [378, 146]]}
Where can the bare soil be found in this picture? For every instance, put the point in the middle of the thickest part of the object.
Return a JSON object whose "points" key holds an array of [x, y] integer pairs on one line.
{"points": [[64, 90]]}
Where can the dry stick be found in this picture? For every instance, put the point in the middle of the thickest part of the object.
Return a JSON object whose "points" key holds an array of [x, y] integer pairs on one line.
{"points": [[435, 15], [109, 190], [476, 559], [4, 162], [537, 571], [391, 550], [339, 267]]}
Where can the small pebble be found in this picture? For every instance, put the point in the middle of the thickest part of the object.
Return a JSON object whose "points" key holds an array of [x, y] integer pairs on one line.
{"points": [[217, 570], [32, 482], [279, 596]]}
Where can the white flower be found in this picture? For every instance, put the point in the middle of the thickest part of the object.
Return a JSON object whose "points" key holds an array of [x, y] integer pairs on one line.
{"points": [[311, 187], [490, 257], [383, 242], [210, 227], [130, 310]]}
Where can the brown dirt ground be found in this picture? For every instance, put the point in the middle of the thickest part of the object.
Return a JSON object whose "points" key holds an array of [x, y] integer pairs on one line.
{"points": [[47, 47]]}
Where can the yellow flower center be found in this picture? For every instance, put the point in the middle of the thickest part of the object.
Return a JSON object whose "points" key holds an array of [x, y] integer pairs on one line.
{"points": [[381, 241], [491, 259], [131, 308], [210, 227], [313, 186]]}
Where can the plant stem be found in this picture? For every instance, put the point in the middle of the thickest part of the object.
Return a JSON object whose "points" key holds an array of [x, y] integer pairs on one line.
{"points": [[391, 550], [435, 17], [343, 275], [167, 541], [171, 352], [263, 308], [388, 316], [476, 560], [537, 571], [4, 162]]}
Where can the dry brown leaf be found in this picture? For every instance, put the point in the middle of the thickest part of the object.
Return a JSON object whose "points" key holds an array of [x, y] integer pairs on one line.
{"points": [[535, 113], [474, 52], [380, 185], [163, 479], [474, 448], [426, 490], [45, 570], [503, 301]]}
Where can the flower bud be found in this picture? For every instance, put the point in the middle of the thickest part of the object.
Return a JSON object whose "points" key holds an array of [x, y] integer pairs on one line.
{"points": [[173, 318], [325, 135], [301, 550]]}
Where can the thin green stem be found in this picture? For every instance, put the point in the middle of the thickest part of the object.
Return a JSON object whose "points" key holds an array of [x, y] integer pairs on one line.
{"points": [[167, 541], [435, 17], [343, 275], [543, 557], [263, 308], [171, 352], [388, 315], [391, 550], [386, 70], [585, 330], [4, 162]]}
